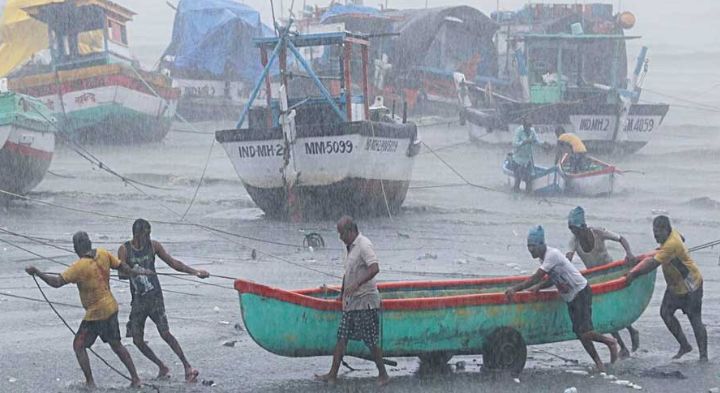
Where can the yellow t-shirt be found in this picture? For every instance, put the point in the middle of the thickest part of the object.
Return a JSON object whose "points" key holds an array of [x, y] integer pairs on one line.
{"points": [[92, 277], [681, 273], [574, 141]]}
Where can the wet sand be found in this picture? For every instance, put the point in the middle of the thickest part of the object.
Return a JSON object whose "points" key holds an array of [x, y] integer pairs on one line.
{"points": [[471, 231]]}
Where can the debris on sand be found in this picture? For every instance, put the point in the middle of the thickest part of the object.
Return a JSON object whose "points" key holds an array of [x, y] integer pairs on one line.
{"points": [[230, 343], [427, 256], [655, 373]]}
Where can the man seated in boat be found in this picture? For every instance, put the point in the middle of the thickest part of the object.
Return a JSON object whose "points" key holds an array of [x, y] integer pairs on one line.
{"points": [[360, 300], [571, 144], [589, 244], [684, 285], [574, 290], [522, 155]]}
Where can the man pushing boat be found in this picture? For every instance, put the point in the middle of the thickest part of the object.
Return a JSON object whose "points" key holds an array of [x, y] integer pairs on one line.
{"points": [[573, 289], [571, 144], [360, 300], [684, 285], [589, 244], [147, 298]]}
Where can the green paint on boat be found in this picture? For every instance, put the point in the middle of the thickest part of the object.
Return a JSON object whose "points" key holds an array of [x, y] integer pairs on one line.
{"points": [[25, 112], [289, 329]]}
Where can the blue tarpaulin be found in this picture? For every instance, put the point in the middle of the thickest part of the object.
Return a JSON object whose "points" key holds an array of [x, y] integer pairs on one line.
{"points": [[339, 9], [213, 39]]}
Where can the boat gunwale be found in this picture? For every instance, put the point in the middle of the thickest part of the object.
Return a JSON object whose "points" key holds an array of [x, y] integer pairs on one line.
{"points": [[607, 170], [303, 297]]}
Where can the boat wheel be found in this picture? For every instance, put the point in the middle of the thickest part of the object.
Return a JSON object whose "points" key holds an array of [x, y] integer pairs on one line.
{"points": [[505, 350], [435, 360]]}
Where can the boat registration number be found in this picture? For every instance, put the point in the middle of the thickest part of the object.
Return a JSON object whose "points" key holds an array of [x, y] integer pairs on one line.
{"points": [[329, 147]]}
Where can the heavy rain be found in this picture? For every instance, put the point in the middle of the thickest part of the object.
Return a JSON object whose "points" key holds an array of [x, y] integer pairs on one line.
{"points": [[391, 195]]}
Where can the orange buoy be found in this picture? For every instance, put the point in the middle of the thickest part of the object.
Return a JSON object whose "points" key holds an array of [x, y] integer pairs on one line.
{"points": [[626, 20]]}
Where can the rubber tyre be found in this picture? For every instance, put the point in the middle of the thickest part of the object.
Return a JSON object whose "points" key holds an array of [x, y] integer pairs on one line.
{"points": [[505, 350], [435, 359]]}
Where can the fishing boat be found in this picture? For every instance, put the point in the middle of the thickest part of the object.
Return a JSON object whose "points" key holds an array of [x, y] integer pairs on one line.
{"points": [[564, 65], [593, 179], [415, 52], [97, 93], [307, 152], [435, 320], [544, 181], [211, 57], [27, 141]]}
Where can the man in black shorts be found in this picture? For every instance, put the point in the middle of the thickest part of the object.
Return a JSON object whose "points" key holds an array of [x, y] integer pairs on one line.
{"points": [[92, 275], [147, 297], [684, 285], [360, 300]]}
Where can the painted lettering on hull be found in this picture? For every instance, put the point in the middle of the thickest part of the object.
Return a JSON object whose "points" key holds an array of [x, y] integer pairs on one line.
{"points": [[261, 150], [639, 124], [594, 124], [381, 145], [328, 147]]}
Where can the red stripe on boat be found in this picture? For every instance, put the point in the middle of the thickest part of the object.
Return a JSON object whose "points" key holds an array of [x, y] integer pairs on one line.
{"points": [[25, 150], [98, 82], [303, 298]]}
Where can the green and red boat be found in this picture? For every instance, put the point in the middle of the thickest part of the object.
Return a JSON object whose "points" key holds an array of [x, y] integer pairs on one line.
{"points": [[435, 320]]}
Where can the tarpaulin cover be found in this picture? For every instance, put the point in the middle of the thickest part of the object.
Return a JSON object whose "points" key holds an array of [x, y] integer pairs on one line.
{"points": [[213, 39], [339, 9]]}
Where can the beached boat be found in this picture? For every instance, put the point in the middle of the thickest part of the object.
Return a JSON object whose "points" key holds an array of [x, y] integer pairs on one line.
{"points": [[212, 58], [310, 153], [97, 93], [435, 320], [595, 178], [27, 141], [563, 65], [415, 52], [545, 180]]}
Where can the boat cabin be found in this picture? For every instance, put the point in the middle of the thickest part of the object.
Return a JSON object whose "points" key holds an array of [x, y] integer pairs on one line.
{"points": [[569, 67], [316, 99], [73, 22]]}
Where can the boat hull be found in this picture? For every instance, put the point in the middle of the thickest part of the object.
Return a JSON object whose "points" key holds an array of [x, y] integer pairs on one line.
{"points": [[351, 168], [106, 104], [24, 158], [297, 324], [545, 181], [594, 124], [602, 179], [203, 100]]}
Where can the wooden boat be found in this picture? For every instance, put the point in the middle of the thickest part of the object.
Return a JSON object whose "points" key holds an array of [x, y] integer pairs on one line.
{"points": [[27, 141], [96, 92], [563, 65], [596, 177], [545, 181], [435, 320], [309, 153]]}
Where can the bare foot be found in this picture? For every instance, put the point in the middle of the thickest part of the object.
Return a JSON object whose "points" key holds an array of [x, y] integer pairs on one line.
{"points": [[90, 385], [191, 375], [600, 367], [682, 351], [383, 380], [634, 338], [327, 378], [624, 353], [164, 372], [135, 383], [613, 347], [704, 358]]}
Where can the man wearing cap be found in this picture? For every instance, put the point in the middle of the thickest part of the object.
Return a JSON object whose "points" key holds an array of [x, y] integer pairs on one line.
{"points": [[147, 297], [573, 289], [91, 273], [589, 244], [684, 285]]}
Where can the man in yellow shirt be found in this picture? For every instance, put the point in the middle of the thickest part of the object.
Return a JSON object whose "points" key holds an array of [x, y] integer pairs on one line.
{"points": [[91, 273], [684, 285], [569, 143]]}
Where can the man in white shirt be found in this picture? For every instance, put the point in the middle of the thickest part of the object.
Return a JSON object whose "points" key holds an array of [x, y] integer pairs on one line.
{"points": [[360, 300], [574, 290]]}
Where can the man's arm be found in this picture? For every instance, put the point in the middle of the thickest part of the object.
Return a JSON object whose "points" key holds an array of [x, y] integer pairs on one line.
{"points": [[644, 267], [629, 256], [175, 264], [534, 279], [371, 272], [54, 280]]}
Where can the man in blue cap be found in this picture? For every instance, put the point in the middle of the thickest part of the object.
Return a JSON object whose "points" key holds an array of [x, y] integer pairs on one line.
{"points": [[574, 290], [589, 244]]}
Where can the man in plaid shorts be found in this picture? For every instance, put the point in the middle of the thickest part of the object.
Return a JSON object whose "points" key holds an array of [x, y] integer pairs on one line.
{"points": [[360, 300]]}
